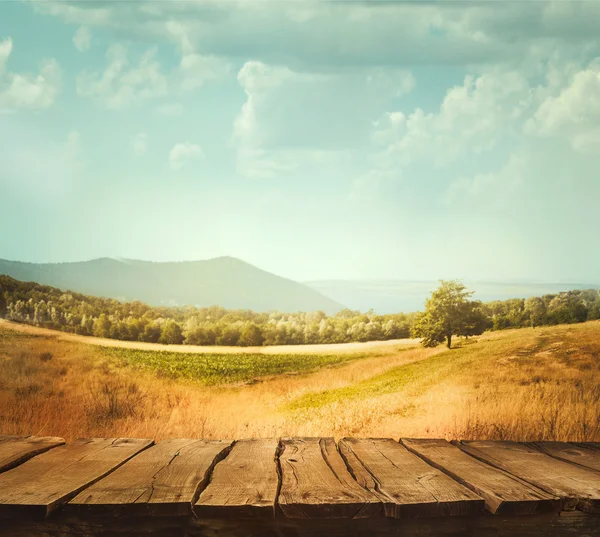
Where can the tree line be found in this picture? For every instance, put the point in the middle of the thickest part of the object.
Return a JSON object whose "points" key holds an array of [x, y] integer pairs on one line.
{"points": [[49, 307]]}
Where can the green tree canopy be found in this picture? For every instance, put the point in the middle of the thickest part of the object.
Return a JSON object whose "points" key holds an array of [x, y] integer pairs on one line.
{"points": [[171, 334], [102, 326], [449, 312], [251, 336]]}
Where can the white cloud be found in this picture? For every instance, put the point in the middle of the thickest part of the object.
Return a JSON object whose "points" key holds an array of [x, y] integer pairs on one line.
{"points": [[41, 167], [5, 51], [183, 153], [197, 70], [82, 39], [485, 112], [28, 91], [493, 189], [170, 109], [572, 114], [121, 85], [324, 33], [139, 144], [291, 116], [587, 142]]}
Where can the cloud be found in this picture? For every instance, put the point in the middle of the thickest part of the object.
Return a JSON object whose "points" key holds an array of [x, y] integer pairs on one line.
{"points": [[121, 85], [170, 109], [73, 150], [587, 142], [139, 144], [183, 153], [358, 33], [27, 91], [492, 189], [197, 70], [38, 167], [82, 39], [483, 114], [288, 112], [572, 114], [5, 52]]}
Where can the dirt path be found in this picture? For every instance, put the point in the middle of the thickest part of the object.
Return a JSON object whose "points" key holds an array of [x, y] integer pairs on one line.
{"points": [[336, 348]]}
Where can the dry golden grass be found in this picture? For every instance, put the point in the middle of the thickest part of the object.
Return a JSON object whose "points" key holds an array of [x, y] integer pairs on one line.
{"points": [[521, 384]]}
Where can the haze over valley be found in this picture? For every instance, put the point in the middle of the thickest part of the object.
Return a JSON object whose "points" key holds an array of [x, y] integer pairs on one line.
{"points": [[234, 284]]}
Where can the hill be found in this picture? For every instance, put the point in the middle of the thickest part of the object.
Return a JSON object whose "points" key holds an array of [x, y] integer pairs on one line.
{"points": [[223, 281]]}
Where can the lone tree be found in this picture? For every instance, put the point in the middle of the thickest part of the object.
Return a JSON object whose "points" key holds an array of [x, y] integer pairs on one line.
{"points": [[449, 312]]}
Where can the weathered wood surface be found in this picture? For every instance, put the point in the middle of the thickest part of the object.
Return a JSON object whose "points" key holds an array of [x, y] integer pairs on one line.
{"points": [[577, 487], [15, 450], [244, 484], [504, 493], [40, 485], [293, 484], [315, 483], [406, 485], [587, 455], [162, 480]]}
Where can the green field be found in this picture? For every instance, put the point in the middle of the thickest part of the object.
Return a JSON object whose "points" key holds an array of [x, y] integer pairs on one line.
{"points": [[221, 369]]}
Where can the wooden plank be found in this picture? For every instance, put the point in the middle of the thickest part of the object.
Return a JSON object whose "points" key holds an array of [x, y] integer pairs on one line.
{"points": [[577, 487], [587, 455], [161, 481], [15, 450], [315, 483], [504, 494], [244, 484], [407, 486], [42, 484]]}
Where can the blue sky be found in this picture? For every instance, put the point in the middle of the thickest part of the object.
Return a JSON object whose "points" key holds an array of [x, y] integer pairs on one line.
{"points": [[415, 140]]}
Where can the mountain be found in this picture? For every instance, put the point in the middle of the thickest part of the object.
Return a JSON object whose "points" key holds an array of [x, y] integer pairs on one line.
{"points": [[394, 296], [223, 281]]}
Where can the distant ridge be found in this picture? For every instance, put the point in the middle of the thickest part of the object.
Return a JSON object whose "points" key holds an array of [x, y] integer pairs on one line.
{"points": [[223, 281], [390, 296]]}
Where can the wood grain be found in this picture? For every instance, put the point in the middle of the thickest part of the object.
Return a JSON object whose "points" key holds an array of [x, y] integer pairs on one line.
{"points": [[315, 483], [244, 484], [407, 486], [504, 494], [163, 480], [587, 455], [40, 485], [577, 487], [15, 450]]}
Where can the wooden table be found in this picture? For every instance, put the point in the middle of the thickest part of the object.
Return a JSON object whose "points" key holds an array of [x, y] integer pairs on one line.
{"points": [[297, 487]]}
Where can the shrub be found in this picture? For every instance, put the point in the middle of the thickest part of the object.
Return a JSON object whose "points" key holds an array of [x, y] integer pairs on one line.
{"points": [[112, 399], [45, 356]]}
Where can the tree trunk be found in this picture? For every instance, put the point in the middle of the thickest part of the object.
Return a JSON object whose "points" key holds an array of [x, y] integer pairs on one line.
{"points": [[449, 338]]}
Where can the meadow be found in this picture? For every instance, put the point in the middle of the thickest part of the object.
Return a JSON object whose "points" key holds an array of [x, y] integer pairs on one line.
{"points": [[521, 384]]}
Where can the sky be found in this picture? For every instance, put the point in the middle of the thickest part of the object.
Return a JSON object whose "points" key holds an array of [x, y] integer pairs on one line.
{"points": [[315, 139]]}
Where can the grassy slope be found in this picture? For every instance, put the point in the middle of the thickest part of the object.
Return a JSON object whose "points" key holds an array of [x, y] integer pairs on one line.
{"points": [[520, 384], [421, 375]]}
